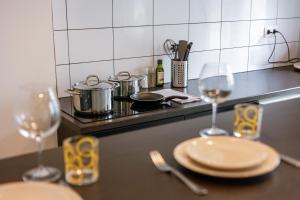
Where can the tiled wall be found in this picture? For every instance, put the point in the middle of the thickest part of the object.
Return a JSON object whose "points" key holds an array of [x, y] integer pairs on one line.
{"points": [[106, 36]]}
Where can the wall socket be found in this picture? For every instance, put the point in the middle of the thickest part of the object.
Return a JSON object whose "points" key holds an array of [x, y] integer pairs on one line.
{"points": [[269, 29]]}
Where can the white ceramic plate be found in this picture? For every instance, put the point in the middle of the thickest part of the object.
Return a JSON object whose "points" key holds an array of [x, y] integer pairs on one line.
{"points": [[226, 153], [36, 191], [271, 162]]}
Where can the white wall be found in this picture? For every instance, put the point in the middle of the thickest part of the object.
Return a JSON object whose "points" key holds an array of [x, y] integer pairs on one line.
{"points": [[26, 55]]}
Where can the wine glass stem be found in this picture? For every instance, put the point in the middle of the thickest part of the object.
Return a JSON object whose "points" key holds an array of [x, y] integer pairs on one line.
{"points": [[39, 142], [214, 113]]}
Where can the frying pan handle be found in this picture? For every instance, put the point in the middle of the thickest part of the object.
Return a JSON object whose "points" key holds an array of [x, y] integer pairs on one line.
{"points": [[174, 97]]}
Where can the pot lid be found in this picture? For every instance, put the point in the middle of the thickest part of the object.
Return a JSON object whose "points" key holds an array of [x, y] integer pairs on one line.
{"points": [[125, 76], [93, 82]]}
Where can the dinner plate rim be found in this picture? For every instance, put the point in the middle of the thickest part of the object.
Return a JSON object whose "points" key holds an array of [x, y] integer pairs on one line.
{"points": [[269, 165], [70, 193]]}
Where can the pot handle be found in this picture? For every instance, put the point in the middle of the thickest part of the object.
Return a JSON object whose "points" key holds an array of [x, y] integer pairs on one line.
{"points": [[89, 79], [115, 85], [124, 73], [72, 92], [174, 97]]}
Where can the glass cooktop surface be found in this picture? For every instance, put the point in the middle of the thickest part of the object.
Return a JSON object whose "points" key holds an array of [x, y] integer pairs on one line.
{"points": [[121, 108]]}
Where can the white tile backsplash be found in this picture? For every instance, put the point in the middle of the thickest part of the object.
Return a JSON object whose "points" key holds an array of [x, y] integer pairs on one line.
{"points": [[288, 8], [61, 47], [133, 12], [233, 10], [282, 55], [264, 9], [258, 57], [235, 34], [133, 42], [198, 59], [91, 45], [133, 65], [106, 36], [205, 36], [174, 32], [171, 11], [79, 72], [290, 28], [205, 11], [59, 15], [236, 58], [89, 14], [257, 36], [63, 80]]}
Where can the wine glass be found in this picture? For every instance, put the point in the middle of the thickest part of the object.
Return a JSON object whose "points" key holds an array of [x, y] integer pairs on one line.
{"points": [[215, 85], [37, 115]]}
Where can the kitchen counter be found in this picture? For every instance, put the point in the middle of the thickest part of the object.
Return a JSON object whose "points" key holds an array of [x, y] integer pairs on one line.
{"points": [[249, 87], [128, 173]]}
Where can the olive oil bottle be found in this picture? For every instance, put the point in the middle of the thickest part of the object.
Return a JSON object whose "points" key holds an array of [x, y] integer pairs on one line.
{"points": [[159, 73]]}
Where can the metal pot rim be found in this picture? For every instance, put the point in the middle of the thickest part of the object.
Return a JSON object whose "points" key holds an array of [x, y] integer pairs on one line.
{"points": [[127, 77], [83, 86]]}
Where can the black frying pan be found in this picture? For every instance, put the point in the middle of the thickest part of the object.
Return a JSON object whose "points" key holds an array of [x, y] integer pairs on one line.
{"points": [[152, 98]]}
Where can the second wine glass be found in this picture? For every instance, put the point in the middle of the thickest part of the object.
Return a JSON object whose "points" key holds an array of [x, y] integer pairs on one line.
{"points": [[215, 85], [37, 116]]}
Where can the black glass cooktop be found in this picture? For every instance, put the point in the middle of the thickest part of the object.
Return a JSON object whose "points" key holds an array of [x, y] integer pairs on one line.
{"points": [[121, 108]]}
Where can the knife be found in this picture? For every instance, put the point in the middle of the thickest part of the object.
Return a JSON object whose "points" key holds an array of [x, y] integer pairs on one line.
{"points": [[289, 160], [187, 52]]}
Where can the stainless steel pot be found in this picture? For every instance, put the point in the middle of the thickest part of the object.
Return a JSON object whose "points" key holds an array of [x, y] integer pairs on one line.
{"points": [[129, 84], [93, 96]]}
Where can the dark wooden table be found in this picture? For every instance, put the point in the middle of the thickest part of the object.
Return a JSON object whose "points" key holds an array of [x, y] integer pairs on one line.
{"points": [[128, 173]]}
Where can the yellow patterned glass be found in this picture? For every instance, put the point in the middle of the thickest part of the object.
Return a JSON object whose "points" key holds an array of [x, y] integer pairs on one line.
{"points": [[247, 121], [81, 156]]}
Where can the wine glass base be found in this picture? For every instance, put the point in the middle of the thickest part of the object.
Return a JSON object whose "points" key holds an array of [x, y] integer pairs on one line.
{"points": [[43, 174], [213, 132]]}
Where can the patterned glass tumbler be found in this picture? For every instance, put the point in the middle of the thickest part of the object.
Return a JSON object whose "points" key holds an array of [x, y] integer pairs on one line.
{"points": [[81, 157], [247, 121]]}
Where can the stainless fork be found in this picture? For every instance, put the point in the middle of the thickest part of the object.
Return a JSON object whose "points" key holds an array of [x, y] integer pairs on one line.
{"points": [[161, 164]]}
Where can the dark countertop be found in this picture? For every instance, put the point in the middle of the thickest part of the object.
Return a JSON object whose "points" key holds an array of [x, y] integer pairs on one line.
{"points": [[128, 173], [249, 86]]}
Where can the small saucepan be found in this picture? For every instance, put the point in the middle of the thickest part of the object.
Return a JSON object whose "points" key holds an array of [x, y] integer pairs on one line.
{"points": [[150, 98]]}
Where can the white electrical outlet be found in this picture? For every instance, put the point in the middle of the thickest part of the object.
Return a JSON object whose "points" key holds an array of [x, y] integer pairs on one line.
{"points": [[269, 29]]}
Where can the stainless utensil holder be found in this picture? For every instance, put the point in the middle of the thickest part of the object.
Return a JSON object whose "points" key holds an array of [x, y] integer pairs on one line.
{"points": [[179, 73]]}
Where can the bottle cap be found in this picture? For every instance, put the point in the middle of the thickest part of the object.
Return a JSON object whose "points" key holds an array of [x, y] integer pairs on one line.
{"points": [[159, 61]]}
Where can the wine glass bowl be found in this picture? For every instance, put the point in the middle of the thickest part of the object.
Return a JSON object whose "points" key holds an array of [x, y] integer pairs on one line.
{"points": [[215, 85], [37, 116]]}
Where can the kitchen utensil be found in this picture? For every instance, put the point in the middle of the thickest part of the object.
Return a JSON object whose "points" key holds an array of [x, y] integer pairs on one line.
{"points": [[152, 98], [182, 46], [171, 92], [226, 153], [215, 85], [129, 84], [92, 96], [37, 116], [247, 121], [161, 165], [37, 191], [170, 48], [271, 163], [179, 73], [289, 160], [81, 158], [187, 52]]}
